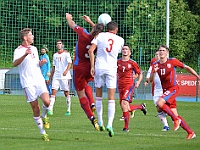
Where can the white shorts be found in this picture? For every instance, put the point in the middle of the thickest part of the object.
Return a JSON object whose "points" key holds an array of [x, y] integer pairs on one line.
{"points": [[155, 99], [157, 95], [107, 78], [63, 84], [33, 92]]}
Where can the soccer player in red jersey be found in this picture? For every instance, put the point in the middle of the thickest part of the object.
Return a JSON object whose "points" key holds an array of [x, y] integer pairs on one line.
{"points": [[157, 91], [166, 69], [81, 66], [127, 68]]}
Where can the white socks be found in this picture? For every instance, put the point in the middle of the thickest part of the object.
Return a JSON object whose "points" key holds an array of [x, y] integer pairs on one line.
{"points": [[52, 101], [99, 109], [111, 112], [39, 123], [162, 115], [44, 111], [68, 102]]}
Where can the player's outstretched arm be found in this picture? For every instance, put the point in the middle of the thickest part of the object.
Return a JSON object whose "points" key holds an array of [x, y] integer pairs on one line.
{"points": [[88, 20], [70, 22], [192, 71]]}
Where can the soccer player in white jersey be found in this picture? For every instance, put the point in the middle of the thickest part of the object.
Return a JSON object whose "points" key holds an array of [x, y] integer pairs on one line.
{"points": [[157, 91], [27, 59], [108, 46], [61, 76]]}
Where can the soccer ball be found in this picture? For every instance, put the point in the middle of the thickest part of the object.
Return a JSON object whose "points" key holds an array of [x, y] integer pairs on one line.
{"points": [[104, 18]]}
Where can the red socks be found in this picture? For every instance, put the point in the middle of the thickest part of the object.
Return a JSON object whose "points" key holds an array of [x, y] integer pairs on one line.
{"points": [[89, 94], [184, 125], [134, 107], [167, 109], [126, 119], [86, 107]]}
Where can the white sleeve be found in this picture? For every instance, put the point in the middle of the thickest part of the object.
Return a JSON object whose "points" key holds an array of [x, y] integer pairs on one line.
{"points": [[17, 54], [120, 50], [149, 72], [54, 60], [69, 59], [94, 41]]}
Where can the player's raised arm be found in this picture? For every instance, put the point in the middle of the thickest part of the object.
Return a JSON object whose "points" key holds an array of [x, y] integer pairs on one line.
{"points": [[154, 70], [70, 22], [18, 61], [88, 20]]}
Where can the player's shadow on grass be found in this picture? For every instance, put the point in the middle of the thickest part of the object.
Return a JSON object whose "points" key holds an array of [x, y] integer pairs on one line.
{"points": [[37, 138]]}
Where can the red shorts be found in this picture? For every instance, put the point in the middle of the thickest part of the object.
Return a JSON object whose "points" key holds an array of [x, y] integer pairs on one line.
{"points": [[81, 76], [169, 95], [126, 93]]}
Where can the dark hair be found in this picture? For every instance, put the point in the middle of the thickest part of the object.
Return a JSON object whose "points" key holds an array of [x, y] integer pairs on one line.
{"points": [[59, 41], [98, 28], [44, 47], [126, 45], [164, 46], [24, 32], [111, 26]]}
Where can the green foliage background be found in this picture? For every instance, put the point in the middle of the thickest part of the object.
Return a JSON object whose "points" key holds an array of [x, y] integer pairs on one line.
{"points": [[142, 23]]}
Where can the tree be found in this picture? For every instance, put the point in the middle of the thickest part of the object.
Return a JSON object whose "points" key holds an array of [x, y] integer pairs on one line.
{"points": [[184, 29], [146, 22]]}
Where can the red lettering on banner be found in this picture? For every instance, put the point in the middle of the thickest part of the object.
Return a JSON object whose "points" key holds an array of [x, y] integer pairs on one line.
{"points": [[187, 85]]}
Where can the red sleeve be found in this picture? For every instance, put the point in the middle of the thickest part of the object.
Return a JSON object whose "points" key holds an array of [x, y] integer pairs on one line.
{"points": [[177, 63], [136, 68], [152, 61], [78, 30]]}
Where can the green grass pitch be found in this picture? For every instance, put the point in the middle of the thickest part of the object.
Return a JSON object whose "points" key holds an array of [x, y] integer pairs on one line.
{"points": [[19, 132]]}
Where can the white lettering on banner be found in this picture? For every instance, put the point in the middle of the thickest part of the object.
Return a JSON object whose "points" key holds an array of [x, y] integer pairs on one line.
{"points": [[187, 82]]}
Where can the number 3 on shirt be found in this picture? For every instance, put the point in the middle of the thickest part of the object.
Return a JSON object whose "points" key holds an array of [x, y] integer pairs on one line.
{"points": [[111, 42]]}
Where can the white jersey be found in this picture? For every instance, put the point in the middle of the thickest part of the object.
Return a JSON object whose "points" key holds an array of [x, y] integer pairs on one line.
{"points": [[60, 61], [29, 69], [157, 89], [109, 45]]}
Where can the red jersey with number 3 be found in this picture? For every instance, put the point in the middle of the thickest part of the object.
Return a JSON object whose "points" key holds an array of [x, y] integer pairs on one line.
{"points": [[82, 46], [167, 72], [125, 72]]}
